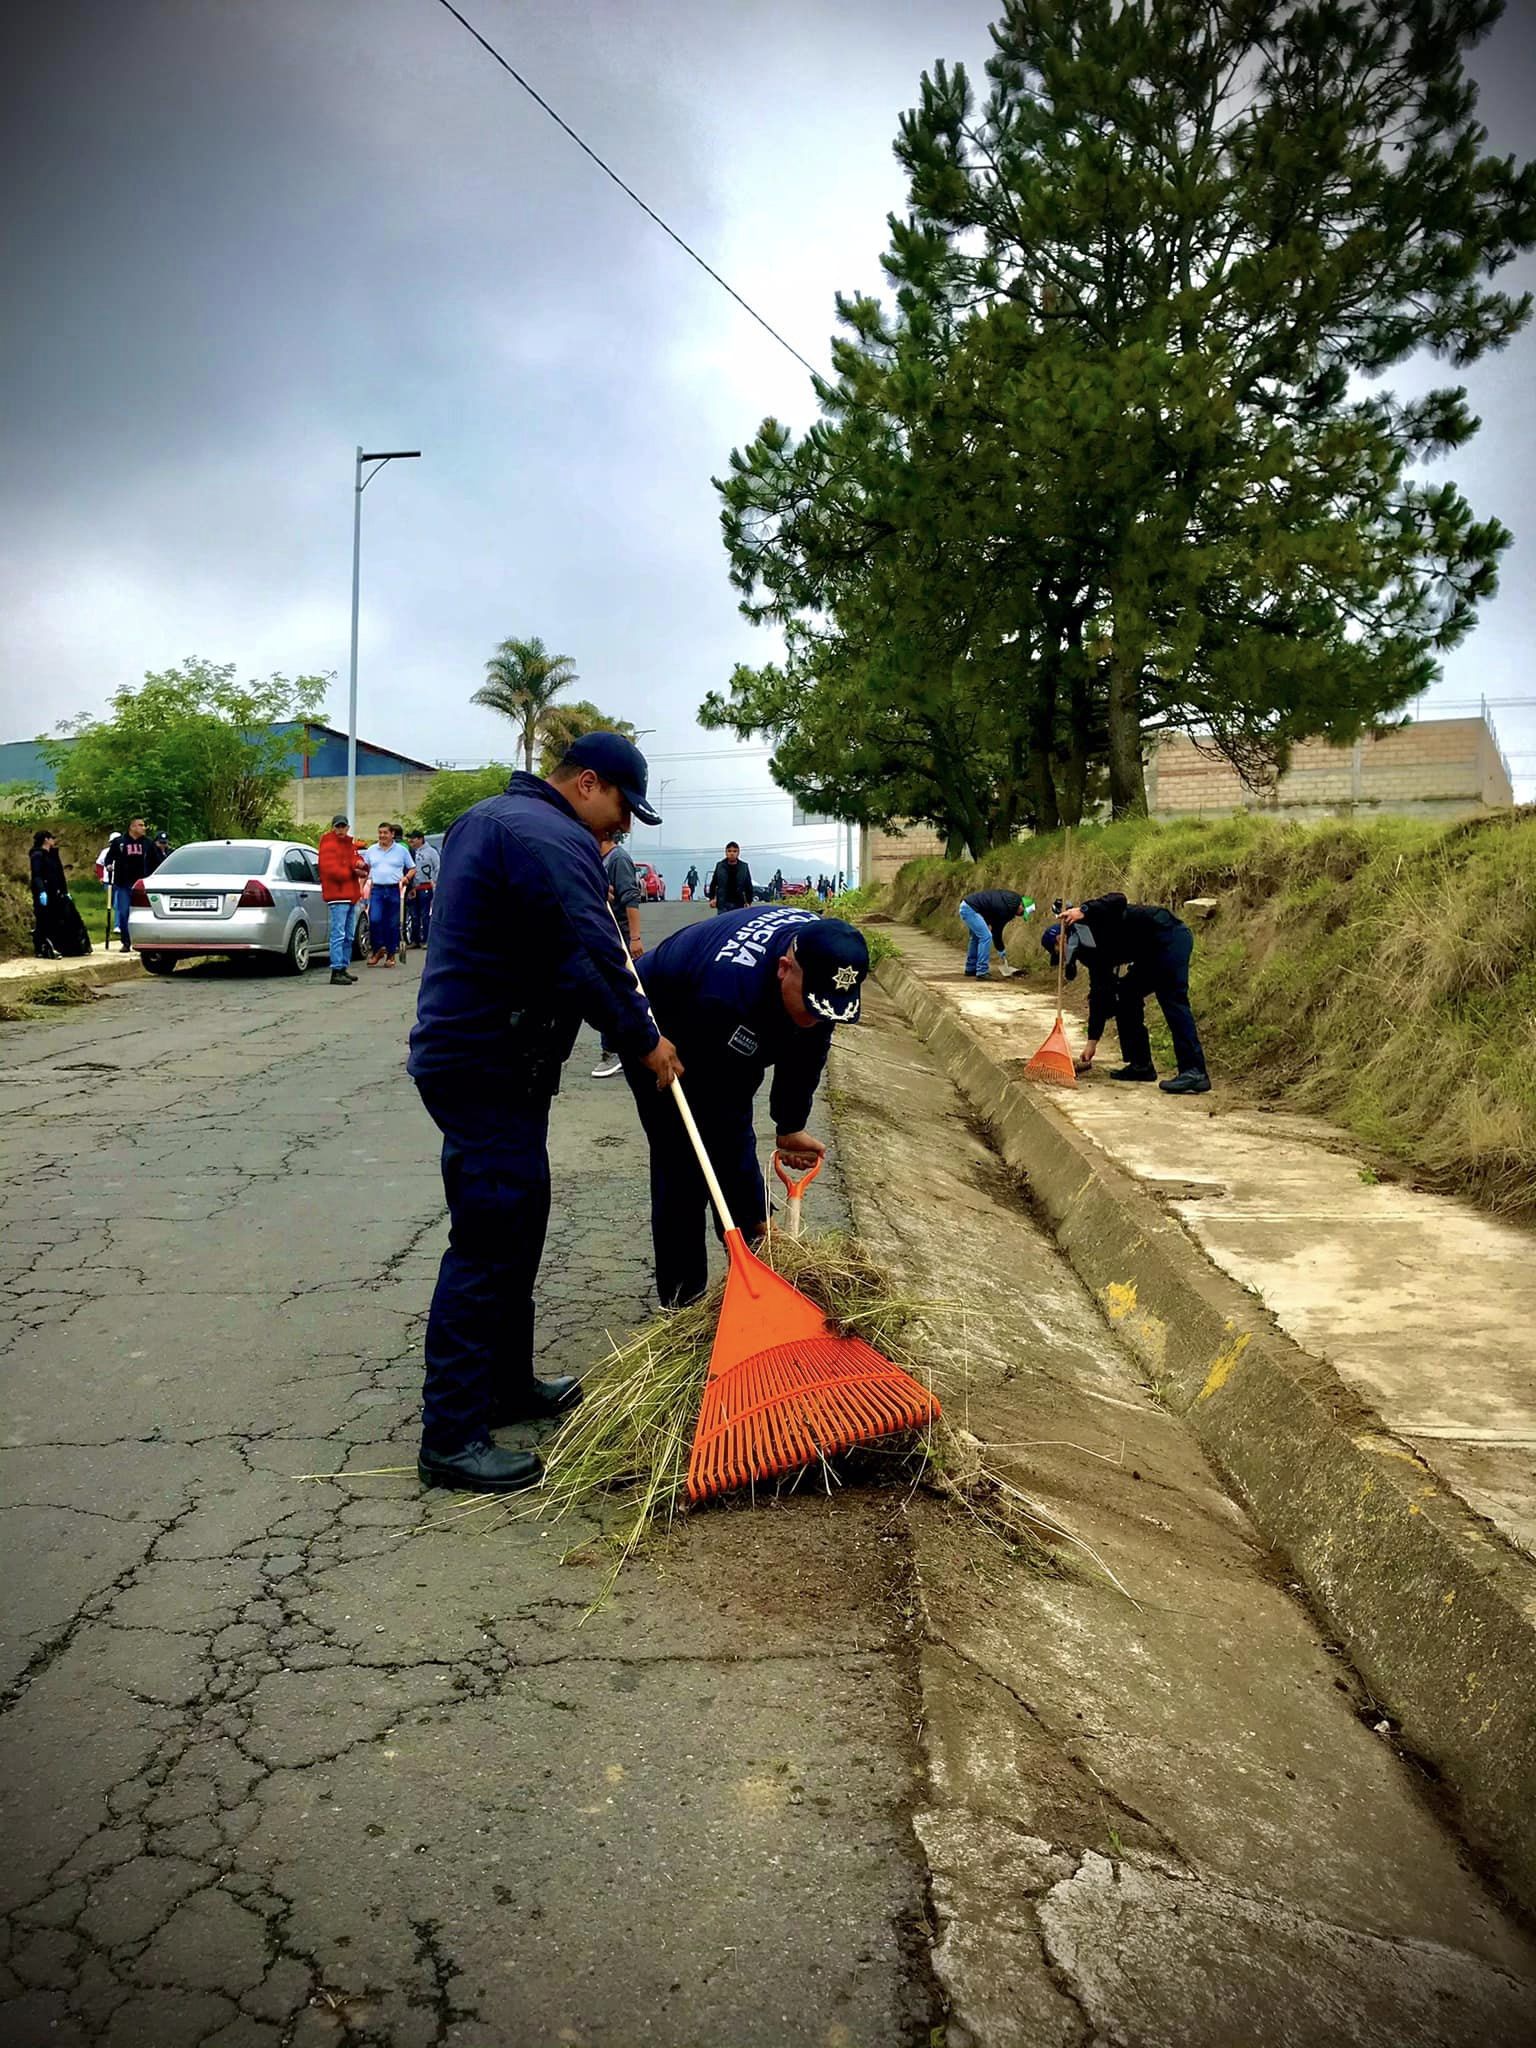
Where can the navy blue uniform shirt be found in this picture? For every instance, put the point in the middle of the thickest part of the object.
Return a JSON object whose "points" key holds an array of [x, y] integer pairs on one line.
{"points": [[523, 945], [1122, 933], [715, 989]]}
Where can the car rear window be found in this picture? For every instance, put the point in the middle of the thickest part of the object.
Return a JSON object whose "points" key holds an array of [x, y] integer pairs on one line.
{"points": [[216, 858]]}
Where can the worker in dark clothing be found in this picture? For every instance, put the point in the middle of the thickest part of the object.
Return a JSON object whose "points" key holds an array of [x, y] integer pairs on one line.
{"points": [[134, 858], [1153, 947], [523, 948], [730, 886], [986, 913], [756, 989]]}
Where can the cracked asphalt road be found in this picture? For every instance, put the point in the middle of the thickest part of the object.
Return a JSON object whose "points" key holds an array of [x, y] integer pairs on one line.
{"points": [[284, 1764]]}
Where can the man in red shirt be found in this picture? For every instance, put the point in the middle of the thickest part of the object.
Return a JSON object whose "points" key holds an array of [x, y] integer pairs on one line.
{"points": [[342, 871]]}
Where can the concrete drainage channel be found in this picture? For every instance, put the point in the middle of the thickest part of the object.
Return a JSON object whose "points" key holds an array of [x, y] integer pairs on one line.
{"points": [[1436, 1610]]}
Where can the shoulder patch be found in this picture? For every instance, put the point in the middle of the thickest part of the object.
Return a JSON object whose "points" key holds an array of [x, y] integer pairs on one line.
{"points": [[743, 1041]]}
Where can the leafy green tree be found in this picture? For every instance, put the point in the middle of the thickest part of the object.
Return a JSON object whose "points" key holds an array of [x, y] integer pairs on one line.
{"points": [[562, 723], [191, 750], [452, 791], [522, 680], [1106, 462]]}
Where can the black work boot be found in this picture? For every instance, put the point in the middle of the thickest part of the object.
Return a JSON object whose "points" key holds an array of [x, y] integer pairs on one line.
{"points": [[480, 1467], [539, 1401], [340, 977], [1134, 1073]]}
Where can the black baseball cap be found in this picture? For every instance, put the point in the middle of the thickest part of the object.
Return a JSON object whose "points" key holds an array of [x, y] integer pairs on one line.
{"points": [[618, 761], [834, 959]]}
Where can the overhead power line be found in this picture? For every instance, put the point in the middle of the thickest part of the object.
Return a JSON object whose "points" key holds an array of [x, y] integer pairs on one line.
{"points": [[628, 190]]}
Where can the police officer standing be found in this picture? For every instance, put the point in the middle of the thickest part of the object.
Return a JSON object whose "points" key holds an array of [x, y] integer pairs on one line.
{"points": [[751, 990], [523, 948]]}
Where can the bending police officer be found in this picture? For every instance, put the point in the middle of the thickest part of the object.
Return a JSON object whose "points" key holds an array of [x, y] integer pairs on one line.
{"points": [[523, 948], [751, 990], [1154, 948]]}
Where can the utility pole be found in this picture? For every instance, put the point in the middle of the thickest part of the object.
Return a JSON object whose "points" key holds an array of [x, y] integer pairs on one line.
{"points": [[360, 484]]}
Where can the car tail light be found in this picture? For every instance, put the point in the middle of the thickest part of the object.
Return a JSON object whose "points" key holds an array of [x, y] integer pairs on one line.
{"points": [[138, 896], [255, 896]]}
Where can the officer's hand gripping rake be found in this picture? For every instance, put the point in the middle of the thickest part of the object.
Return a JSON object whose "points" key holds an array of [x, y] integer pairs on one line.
{"points": [[794, 1192], [784, 1388]]}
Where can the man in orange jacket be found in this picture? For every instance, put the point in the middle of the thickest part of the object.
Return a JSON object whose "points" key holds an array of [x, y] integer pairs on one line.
{"points": [[342, 871]]}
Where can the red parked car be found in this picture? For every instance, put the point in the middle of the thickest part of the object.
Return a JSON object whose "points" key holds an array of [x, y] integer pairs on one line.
{"points": [[653, 885]]}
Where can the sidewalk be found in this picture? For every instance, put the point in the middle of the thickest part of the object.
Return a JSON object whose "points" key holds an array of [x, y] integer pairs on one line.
{"points": [[1419, 1307], [93, 968]]}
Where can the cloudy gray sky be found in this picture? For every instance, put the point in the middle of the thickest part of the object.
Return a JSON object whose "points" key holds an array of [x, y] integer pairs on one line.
{"points": [[242, 235]]}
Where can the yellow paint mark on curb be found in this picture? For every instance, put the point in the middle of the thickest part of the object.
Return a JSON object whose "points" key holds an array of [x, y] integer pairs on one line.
{"points": [[1119, 1300], [1221, 1368]]}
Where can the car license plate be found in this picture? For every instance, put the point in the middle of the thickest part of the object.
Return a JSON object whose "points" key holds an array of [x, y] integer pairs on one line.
{"points": [[194, 903]]}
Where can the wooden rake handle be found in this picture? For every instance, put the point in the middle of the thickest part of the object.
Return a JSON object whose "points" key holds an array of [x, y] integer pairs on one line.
{"points": [[711, 1178]]}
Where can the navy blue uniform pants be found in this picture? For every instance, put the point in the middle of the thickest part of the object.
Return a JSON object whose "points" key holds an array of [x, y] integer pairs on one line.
{"points": [[479, 1346], [679, 1199], [1165, 976]]}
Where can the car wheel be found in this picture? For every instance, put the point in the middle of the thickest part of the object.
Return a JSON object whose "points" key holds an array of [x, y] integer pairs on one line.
{"points": [[361, 938], [159, 963], [296, 959]]}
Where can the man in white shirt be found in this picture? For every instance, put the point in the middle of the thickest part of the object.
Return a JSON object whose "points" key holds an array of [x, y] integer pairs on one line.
{"points": [[388, 866]]}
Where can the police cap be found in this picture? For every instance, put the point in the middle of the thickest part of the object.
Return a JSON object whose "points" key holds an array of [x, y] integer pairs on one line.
{"points": [[616, 760], [834, 959]]}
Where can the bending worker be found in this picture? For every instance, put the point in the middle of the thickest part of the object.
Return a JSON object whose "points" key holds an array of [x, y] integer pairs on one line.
{"points": [[753, 989], [986, 914], [1154, 948], [523, 947]]}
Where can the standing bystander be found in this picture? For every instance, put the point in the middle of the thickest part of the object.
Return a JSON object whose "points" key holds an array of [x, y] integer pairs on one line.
{"points": [[342, 869], [134, 858], [427, 863], [388, 866]]}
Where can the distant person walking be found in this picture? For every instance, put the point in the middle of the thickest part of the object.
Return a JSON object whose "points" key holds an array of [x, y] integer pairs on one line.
{"points": [[693, 881], [388, 866], [730, 886], [342, 873], [427, 862], [624, 898], [134, 858]]}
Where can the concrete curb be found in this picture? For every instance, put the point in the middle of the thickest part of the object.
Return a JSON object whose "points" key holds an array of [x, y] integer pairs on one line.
{"points": [[93, 973], [1437, 1610]]}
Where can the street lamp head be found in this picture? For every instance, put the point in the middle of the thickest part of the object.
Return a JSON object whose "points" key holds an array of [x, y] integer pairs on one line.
{"points": [[390, 455]]}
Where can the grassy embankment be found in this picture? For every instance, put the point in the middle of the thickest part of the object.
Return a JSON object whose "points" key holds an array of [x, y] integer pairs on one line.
{"points": [[1380, 974]]}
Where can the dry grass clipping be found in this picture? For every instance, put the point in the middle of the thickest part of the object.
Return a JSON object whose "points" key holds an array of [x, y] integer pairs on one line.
{"points": [[626, 1447]]}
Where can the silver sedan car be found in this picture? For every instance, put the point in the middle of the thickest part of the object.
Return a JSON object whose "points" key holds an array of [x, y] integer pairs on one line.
{"points": [[230, 896]]}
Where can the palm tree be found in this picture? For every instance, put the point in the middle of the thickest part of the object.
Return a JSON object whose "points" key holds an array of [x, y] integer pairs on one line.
{"points": [[522, 680]]}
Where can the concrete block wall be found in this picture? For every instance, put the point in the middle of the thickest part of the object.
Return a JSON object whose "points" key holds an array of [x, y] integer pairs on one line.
{"points": [[882, 852], [1447, 766], [315, 799]]}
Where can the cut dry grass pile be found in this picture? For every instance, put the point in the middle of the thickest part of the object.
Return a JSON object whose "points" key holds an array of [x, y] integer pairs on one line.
{"points": [[1381, 973], [34, 999], [622, 1458]]}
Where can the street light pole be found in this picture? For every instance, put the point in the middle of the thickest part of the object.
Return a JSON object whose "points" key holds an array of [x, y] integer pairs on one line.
{"points": [[360, 484]]}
